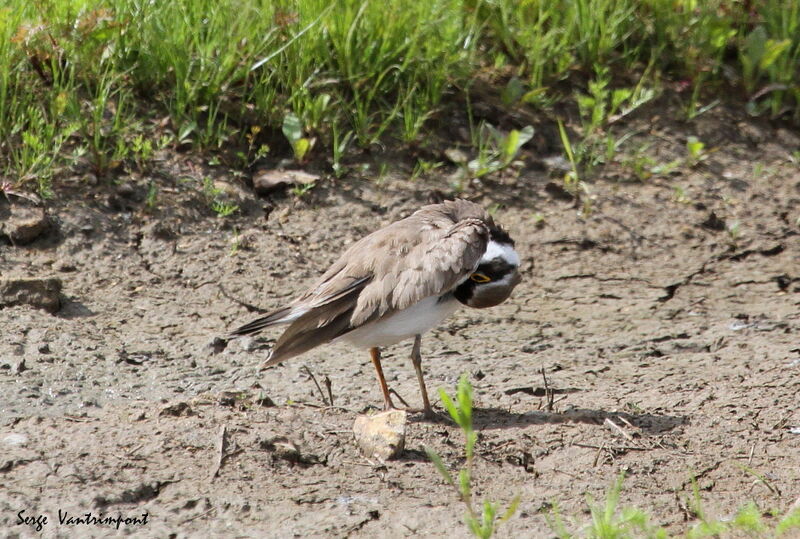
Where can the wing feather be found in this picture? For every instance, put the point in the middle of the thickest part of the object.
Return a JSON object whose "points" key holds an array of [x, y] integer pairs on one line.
{"points": [[438, 261]]}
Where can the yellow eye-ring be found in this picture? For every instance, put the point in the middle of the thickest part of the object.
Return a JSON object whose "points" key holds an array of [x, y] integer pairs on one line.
{"points": [[480, 278]]}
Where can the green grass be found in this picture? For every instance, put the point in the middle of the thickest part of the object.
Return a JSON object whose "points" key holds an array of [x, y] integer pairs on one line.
{"points": [[611, 521], [608, 520], [81, 80]]}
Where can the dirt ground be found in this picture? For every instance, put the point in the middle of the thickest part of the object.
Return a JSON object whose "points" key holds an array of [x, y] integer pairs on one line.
{"points": [[666, 322]]}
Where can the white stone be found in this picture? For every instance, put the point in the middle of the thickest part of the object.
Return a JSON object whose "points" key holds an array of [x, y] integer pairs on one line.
{"points": [[15, 439]]}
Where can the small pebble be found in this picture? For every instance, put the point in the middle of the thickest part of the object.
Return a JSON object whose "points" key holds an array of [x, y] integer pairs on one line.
{"points": [[15, 439]]}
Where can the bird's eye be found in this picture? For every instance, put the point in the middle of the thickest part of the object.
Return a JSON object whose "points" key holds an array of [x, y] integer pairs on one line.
{"points": [[480, 278]]}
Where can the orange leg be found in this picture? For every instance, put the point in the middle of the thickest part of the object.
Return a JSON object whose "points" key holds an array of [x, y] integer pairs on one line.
{"points": [[375, 353]]}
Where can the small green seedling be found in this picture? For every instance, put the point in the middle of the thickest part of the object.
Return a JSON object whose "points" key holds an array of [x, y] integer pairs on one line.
{"points": [[485, 524], [302, 189], [151, 199], [215, 200], [293, 131], [495, 150], [680, 195], [255, 150], [696, 150], [572, 181], [424, 167], [608, 520], [340, 144], [748, 520]]}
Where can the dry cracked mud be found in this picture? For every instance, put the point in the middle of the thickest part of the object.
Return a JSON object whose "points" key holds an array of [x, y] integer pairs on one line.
{"points": [[665, 323]]}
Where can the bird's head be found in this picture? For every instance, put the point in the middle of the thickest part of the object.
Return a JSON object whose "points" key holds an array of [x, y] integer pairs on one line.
{"points": [[495, 277]]}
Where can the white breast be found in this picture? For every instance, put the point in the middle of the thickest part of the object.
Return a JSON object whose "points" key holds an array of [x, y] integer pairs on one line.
{"points": [[402, 325]]}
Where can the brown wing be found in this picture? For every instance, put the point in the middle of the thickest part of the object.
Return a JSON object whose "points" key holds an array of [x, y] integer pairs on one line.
{"points": [[431, 264]]}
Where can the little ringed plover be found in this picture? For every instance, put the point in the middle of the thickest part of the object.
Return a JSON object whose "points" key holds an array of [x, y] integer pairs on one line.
{"points": [[397, 283]]}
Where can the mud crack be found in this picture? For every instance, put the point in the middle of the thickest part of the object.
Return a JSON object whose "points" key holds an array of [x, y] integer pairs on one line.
{"points": [[672, 289], [143, 493]]}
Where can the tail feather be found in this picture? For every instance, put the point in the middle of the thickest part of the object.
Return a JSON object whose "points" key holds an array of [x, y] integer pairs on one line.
{"points": [[279, 316], [318, 325], [313, 319], [299, 339]]}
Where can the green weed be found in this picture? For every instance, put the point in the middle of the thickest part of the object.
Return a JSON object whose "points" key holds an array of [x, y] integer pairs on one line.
{"points": [[255, 150], [609, 521], [293, 131], [748, 520], [215, 197], [496, 150], [572, 181], [481, 523], [151, 199], [680, 195], [423, 167], [340, 144], [601, 107], [696, 151], [301, 190]]}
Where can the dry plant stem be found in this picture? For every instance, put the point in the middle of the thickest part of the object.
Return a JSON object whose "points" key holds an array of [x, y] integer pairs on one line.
{"points": [[131, 452], [249, 306], [329, 387], [222, 443], [597, 455], [548, 392], [399, 396], [325, 407], [314, 378], [618, 429], [201, 515]]}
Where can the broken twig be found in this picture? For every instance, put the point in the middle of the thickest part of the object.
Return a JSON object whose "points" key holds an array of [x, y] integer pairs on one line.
{"points": [[396, 394], [314, 378], [329, 387], [222, 447], [618, 429], [549, 393]]}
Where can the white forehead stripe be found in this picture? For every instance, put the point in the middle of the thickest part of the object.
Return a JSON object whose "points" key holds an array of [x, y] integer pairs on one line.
{"points": [[500, 250]]}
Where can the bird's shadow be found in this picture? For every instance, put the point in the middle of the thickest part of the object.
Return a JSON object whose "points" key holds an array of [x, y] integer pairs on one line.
{"points": [[498, 418]]}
